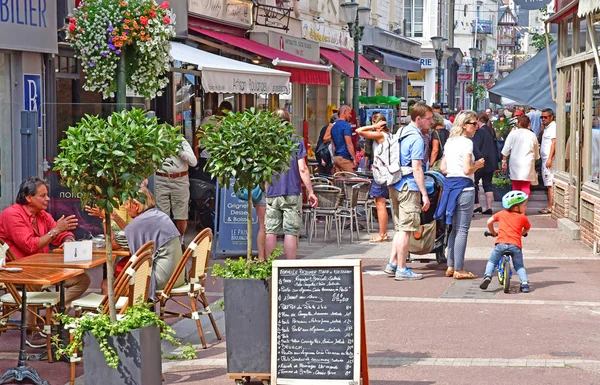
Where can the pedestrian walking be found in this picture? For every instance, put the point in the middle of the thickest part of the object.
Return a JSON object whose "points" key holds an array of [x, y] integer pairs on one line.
{"points": [[485, 141], [341, 135], [535, 116], [437, 109], [512, 225], [523, 148], [378, 133], [458, 197], [547, 152], [284, 200], [409, 195], [323, 154], [439, 137], [173, 186]]}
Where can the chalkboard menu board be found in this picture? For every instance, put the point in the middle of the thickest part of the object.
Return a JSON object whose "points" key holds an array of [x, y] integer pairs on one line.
{"points": [[316, 322]]}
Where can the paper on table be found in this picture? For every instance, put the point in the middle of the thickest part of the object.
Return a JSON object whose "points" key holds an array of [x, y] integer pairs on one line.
{"points": [[3, 249], [78, 251]]}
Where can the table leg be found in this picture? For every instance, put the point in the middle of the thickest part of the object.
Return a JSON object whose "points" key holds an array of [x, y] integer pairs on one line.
{"points": [[21, 372]]}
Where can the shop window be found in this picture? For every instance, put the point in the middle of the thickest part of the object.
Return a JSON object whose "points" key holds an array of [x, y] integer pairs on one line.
{"points": [[595, 171], [413, 17], [6, 175], [583, 36], [567, 120], [184, 103]]}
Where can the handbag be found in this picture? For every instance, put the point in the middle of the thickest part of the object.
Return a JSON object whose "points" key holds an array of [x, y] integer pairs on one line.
{"points": [[422, 240]]}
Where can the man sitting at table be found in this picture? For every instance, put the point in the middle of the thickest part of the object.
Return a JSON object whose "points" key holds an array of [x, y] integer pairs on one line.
{"points": [[27, 228]]}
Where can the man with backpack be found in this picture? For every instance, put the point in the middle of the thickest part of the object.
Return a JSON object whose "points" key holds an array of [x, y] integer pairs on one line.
{"points": [[408, 195]]}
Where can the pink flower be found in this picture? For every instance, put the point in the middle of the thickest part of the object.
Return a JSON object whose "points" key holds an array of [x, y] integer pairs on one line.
{"points": [[72, 27], [164, 5], [167, 20], [143, 20], [152, 14]]}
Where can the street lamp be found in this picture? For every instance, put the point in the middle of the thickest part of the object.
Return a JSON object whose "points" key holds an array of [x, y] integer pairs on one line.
{"points": [[439, 46], [474, 52], [357, 18]]}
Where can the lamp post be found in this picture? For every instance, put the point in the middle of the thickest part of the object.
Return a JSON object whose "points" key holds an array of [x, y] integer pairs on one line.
{"points": [[357, 18], [474, 52], [439, 46]]}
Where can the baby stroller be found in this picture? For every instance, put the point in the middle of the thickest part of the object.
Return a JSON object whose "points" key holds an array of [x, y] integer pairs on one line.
{"points": [[432, 238], [202, 195]]}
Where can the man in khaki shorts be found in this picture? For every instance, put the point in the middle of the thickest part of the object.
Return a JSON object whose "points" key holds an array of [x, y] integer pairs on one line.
{"points": [[284, 200], [173, 186], [409, 195]]}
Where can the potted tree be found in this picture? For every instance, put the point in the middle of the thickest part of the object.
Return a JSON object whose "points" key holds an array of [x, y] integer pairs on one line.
{"points": [[246, 150]]}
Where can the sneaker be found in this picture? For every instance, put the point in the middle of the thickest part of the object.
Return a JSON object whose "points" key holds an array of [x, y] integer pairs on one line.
{"points": [[390, 269], [486, 282], [524, 287], [407, 275]]}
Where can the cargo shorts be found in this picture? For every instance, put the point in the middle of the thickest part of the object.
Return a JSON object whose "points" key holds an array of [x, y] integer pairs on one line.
{"points": [[406, 209], [173, 195], [284, 215]]}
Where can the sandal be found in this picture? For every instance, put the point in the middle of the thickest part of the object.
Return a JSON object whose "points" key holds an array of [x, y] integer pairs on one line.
{"points": [[545, 211], [378, 238], [463, 274], [449, 271]]}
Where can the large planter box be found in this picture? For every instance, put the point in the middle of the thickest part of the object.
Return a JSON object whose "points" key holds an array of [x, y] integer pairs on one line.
{"points": [[248, 325], [139, 354], [500, 192]]}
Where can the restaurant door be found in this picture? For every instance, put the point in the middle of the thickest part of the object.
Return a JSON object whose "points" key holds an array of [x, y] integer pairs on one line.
{"points": [[575, 138]]}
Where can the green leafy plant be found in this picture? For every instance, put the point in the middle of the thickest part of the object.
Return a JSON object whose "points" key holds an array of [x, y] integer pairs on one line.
{"points": [[500, 179], [247, 149], [101, 327], [502, 128], [104, 161], [247, 267]]}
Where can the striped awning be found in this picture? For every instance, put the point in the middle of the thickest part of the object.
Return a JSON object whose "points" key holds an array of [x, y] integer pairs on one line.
{"points": [[588, 6]]}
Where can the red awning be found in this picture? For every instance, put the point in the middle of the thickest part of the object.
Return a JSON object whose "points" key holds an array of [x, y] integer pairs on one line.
{"points": [[568, 10], [367, 65], [343, 63], [302, 71]]}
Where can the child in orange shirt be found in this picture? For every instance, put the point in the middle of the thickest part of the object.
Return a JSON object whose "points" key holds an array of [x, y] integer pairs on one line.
{"points": [[512, 225]]}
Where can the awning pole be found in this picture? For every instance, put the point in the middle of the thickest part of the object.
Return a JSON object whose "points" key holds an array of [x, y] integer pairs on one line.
{"points": [[592, 36], [549, 63]]}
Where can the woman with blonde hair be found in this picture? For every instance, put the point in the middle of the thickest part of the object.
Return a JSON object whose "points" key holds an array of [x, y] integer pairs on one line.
{"points": [[377, 132], [458, 197]]}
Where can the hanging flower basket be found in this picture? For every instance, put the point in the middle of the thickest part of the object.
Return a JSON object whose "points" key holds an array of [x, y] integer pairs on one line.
{"points": [[104, 30], [470, 88]]}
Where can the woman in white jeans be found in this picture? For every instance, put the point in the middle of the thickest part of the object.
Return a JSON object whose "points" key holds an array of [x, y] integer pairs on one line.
{"points": [[458, 197]]}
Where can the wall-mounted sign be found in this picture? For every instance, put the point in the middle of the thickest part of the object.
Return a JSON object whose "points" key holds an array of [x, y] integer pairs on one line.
{"points": [[390, 41], [306, 49], [233, 12], [32, 95], [28, 25], [323, 34], [427, 62]]}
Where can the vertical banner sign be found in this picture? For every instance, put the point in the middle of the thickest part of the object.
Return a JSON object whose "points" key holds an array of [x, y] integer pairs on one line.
{"points": [[32, 91], [232, 231]]}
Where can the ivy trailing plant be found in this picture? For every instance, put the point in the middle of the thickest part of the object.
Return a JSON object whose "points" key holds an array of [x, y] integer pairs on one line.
{"points": [[104, 161], [101, 327], [500, 179], [252, 268], [247, 149]]}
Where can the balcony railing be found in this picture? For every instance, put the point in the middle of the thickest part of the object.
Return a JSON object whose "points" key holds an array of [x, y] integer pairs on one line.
{"points": [[483, 26]]}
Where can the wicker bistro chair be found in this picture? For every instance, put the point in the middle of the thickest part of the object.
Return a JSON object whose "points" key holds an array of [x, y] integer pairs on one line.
{"points": [[307, 209], [354, 194], [10, 303], [329, 201], [199, 250], [131, 284], [339, 179]]}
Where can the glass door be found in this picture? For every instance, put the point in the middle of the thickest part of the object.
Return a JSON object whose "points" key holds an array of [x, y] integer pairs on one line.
{"points": [[574, 142]]}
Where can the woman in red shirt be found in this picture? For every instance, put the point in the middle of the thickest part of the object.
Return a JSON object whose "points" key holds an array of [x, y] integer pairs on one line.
{"points": [[27, 228]]}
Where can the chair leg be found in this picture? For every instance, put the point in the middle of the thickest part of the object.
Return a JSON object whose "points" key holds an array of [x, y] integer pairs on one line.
{"points": [[197, 319], [357, 225], [338, 232], [210, 315], [49, 333]]}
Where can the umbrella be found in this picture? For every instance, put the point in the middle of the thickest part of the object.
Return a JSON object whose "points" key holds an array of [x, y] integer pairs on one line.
{"points": [[391, 100]]}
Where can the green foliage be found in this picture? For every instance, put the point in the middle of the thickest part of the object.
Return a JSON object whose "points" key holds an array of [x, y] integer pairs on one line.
{"points": [[502, 128], [249, 146], [101, 327], [247, 267], [104, 161], [500, 179], [538, 41]]}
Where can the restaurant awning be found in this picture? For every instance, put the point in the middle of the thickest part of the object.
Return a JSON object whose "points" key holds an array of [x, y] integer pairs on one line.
{"points": [[529, 84], [343, 63], [302, 71], [588, 6], [223, 75], [400, 62], [367, 65]]}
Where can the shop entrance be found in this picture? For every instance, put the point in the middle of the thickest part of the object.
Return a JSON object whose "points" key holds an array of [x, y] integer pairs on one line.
{"points": [[575, 137]]}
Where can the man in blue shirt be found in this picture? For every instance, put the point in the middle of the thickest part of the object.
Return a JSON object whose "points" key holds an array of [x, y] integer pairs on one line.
{"points": [[409, 195], [535, 119], [344, 156]]}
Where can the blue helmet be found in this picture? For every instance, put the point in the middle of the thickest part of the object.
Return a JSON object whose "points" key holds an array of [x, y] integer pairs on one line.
{"points": [[512, 198]]}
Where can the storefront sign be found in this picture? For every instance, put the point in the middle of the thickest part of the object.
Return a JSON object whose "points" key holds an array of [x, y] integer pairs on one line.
{"points": [[306, 49], [323, 34], [32, 91], [232, 235], [427, 62], [390, 41], [28, 25], [469, 77], [233, 12], [214, 80]]}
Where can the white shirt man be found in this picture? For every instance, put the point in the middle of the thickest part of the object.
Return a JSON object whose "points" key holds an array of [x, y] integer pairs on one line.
{"points": [[547, 152]]}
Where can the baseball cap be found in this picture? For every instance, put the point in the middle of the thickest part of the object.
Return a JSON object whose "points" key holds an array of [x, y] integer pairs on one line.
{"points": [[519, 113], [436, 106]]}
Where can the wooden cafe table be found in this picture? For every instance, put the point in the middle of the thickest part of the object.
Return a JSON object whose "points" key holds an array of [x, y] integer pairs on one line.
{"points": [[116, 253], [30, 275]]}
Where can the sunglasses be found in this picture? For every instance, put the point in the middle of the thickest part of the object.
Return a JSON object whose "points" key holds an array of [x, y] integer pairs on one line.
{"points": [[474, 122], [546, 117]]}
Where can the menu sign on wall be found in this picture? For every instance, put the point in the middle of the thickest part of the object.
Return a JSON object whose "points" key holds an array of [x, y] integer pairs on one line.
{"points": [[316, 318], [233, 12]]}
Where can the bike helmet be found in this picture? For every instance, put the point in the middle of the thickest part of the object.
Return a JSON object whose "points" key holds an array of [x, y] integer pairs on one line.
{"points": [[512, 198]]}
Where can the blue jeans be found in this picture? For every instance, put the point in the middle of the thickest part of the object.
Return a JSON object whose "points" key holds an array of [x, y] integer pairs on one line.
{"points": [[517, 260], [461, 221]]}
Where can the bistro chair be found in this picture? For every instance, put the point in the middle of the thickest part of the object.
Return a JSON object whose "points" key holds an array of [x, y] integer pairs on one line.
{"points": [[339, 179], [355, 192], [10, 303], [131, 285], [329, 201], [199, 250]]}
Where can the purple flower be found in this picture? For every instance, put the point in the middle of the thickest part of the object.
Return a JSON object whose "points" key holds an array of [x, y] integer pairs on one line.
{"points": [[112, 47], [110, 40], [127, 32], [92, 64], [104, 54], [96, 46], [118, 52], [109, 29]]}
